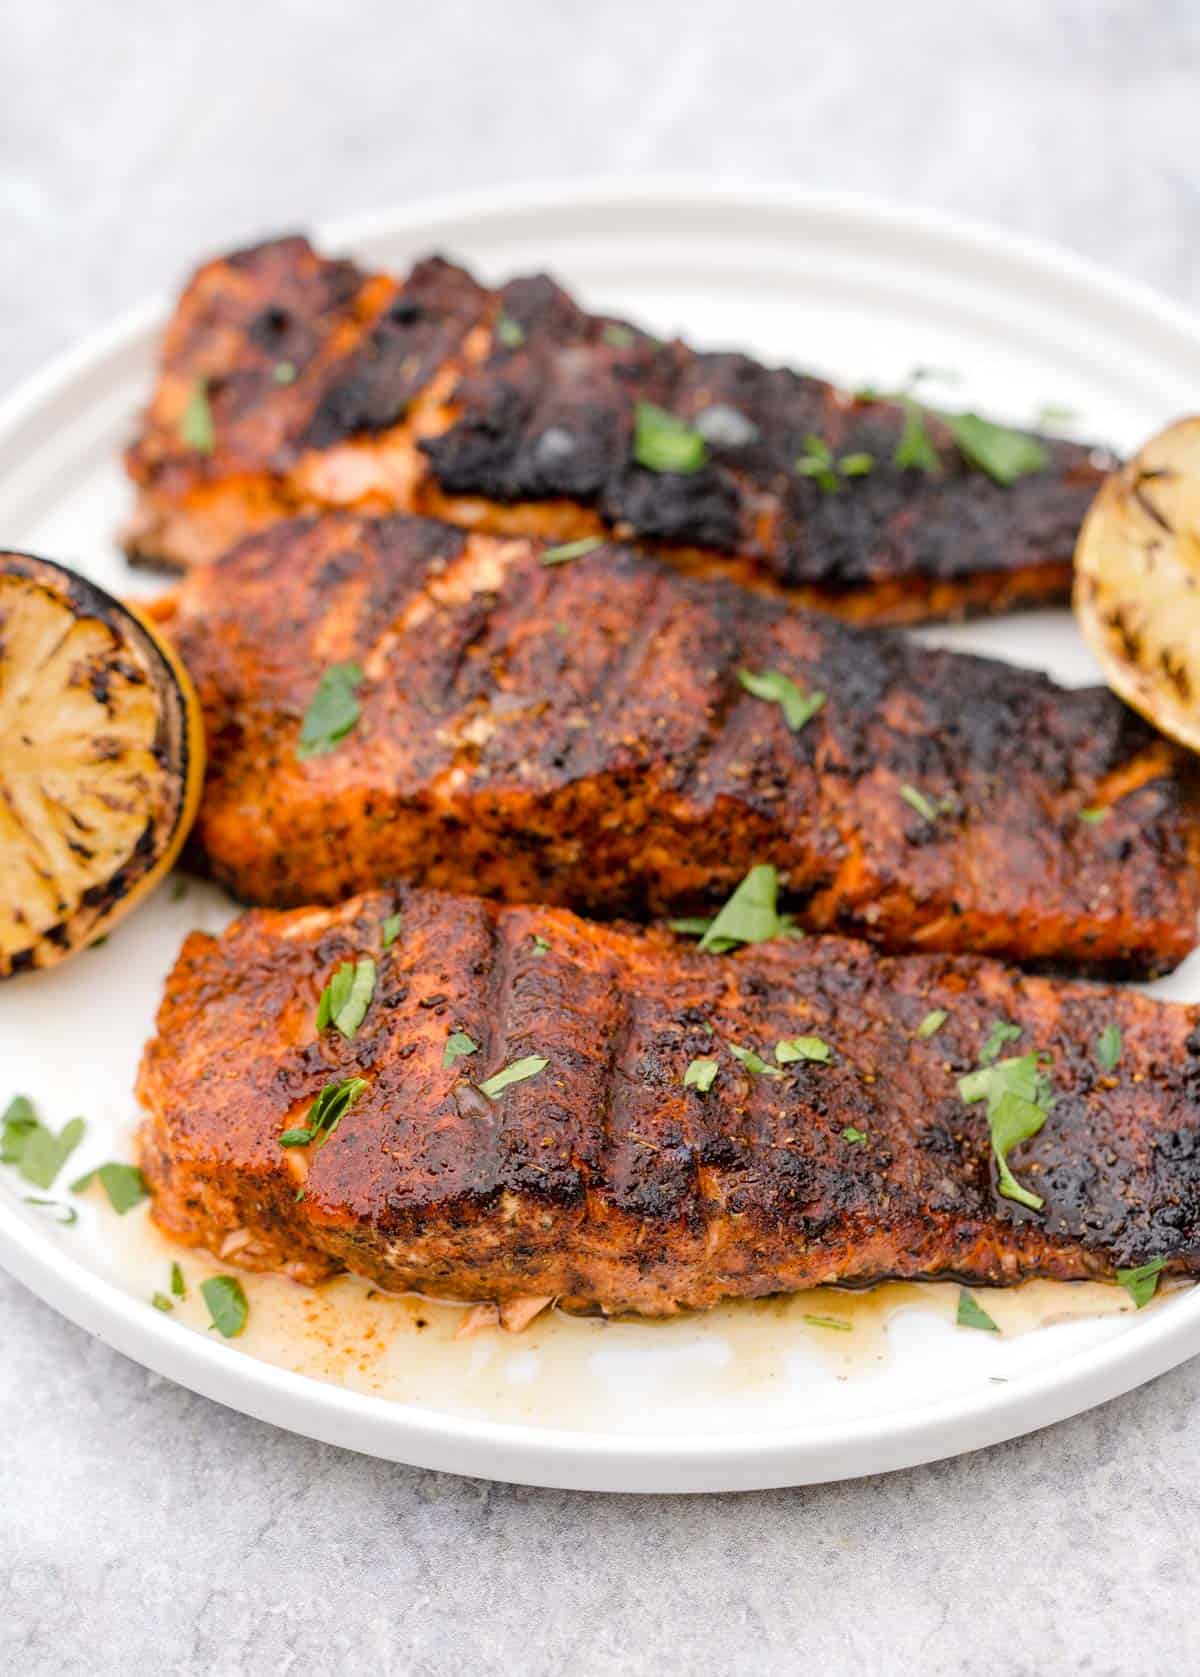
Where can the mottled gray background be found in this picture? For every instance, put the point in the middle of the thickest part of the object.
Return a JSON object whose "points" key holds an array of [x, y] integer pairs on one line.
{"points": [[144, 1529]]}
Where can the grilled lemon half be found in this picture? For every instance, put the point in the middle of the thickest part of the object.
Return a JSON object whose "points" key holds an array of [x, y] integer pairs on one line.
{"points": [[1137, 581], [101, 761]]}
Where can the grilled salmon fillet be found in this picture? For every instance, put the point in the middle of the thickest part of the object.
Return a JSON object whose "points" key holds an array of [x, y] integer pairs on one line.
{"points": [[579, 734], [292, 383], [604, 1180]]}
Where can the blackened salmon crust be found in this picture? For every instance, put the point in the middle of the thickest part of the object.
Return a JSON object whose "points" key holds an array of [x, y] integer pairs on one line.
{"points": [[603, 1179], [513, 410], [579, 734]]}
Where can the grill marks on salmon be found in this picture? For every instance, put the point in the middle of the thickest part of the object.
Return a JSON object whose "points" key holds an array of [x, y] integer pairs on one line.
{"points": [[603, 1181], [512, 411], [577, 734]]}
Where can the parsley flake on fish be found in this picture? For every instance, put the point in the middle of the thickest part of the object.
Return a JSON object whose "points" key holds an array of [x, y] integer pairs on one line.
{"points": [[827, 470], [915, 450], [325, 1113], [750, 915], [1141, 1283], [662, 442], [458, 1045], [701, 1074], [528, 1066], [509, 332], [795, 1048], [332, 711], [1109, 1045], [346, 998], [196, 428], [753, 1062], [1003, 1031], [797, 706], [1004, 454], [1018, 1097], [566, 551]]}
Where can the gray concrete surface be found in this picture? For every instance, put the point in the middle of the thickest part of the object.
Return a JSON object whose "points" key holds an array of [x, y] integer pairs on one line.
{"points": [[144, 1529]]}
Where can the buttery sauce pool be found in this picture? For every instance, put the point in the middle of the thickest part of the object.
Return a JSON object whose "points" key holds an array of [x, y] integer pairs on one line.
{"points": [[626, 1374]]}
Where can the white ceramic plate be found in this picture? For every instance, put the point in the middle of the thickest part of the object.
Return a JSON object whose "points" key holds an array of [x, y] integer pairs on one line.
{"points": [[751, 1396]]}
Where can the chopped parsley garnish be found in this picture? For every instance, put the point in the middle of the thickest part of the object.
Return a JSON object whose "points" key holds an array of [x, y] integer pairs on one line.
{"points": [[390, 929], [617, 336], [64, 1214], [662, 442], [852, 1134], [541, 945], [124, 1184], [567, 551], [528, 1066], [458, 1045], [753, 1062], [509, 332], [932, 1022], [1018, 1098], [797, 706], [179, 887], [326, 1112], [750, 915], [1093, 817], [160, 1301], [818, 462], [915, 448], [226, 1300], [973, 1315], [701, 1074], [196, 429], [332, 711], [37, 1152], [178, 1285], [795, 1048], [1005, 455], [1109, 1044], [284, 372], [18, 1120], [1142, 1283], [839, 1323], [918, 801], [347, 996], [1002, 1031]]}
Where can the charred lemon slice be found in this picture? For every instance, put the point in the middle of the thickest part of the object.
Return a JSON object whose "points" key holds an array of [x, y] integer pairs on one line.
{"points": [[1137, 581], [101, 760]]}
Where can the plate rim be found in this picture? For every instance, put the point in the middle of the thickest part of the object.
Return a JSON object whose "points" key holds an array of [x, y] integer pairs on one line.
{"points": [[556, 1456]]}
